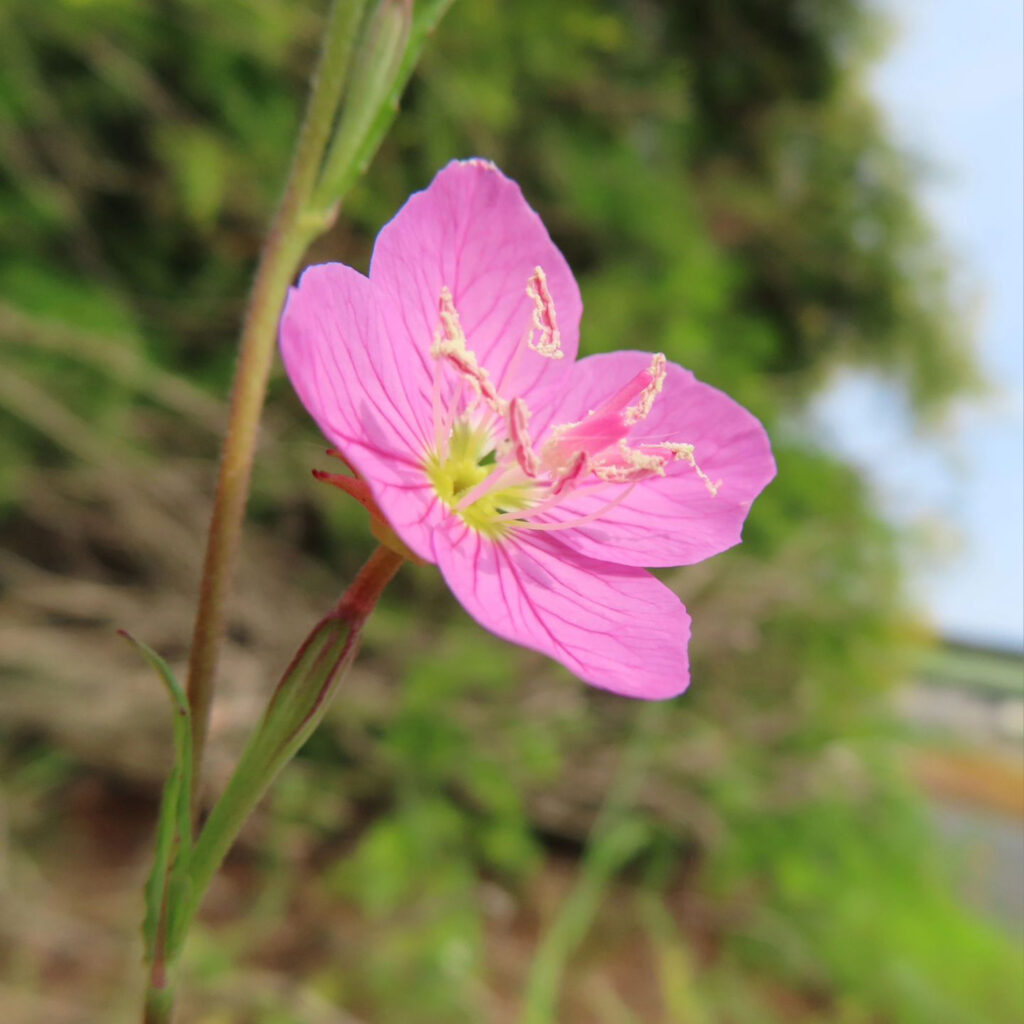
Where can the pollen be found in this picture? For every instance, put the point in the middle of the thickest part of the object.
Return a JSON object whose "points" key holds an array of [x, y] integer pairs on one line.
{"points": [[549, 344], [684, 452], [450, 343], [645, 400], [627, 465]]}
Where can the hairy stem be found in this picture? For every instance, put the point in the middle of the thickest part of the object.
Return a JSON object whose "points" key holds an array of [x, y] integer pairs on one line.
{"points": [[289, 235], [159, 1004]]}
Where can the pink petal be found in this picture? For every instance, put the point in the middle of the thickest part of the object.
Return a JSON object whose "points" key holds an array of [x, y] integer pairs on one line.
{"points": [[344, 369], [615, 627], [414, 512], [670, 520], [473, 232]]}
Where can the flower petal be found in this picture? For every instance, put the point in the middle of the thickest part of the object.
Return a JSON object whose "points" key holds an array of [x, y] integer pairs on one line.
{"points": [[670, 520], [414, 512], [615, 627], [473, 232], [345, 371]]}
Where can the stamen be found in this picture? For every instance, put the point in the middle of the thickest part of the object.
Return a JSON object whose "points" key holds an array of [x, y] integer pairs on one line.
{"points": [[582, 520], [484, 464], [519, 434], [550, 342], [684, 452], [500, 477], [579, 466], [645, 401], [450, 344], [550, 501], [639, 463], [608, 425], [636, 465], [544, 320], [451, 326]]}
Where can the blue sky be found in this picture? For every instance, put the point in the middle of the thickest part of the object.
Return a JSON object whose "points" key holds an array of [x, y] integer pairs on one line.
{"points": [[951, 85]]}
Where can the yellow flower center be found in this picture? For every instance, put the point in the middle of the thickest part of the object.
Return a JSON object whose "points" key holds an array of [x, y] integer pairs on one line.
{"points": [[468, 462]]}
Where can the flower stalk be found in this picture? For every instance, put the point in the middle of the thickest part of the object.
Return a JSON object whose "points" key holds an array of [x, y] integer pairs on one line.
{"points": [[289, 235]]}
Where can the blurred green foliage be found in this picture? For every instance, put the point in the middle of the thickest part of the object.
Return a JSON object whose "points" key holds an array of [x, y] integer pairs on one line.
{"points": [[721, 182]]}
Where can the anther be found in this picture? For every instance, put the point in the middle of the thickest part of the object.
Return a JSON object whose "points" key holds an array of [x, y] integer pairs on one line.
{"points": [[645, 401], [579, 466], [550, 342], [630, 465], [450, 344], [519, 435], [449, 338], [684, 452]]}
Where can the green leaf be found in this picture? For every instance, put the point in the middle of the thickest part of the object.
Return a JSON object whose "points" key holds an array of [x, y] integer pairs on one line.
{"points": [[168, 890]]}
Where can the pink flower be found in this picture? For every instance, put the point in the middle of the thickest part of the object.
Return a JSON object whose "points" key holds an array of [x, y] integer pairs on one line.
{"points": [[539, 485]]}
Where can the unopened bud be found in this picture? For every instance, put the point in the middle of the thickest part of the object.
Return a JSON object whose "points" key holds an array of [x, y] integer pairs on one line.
{"points": [[295, 709], [371, 94]]}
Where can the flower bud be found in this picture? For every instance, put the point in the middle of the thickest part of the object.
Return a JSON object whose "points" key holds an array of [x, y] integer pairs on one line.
{"points": [[371, 94], [295, 709]]}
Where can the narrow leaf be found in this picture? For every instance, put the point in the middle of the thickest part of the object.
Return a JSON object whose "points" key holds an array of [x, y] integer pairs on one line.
{"points": [[168, 880]]}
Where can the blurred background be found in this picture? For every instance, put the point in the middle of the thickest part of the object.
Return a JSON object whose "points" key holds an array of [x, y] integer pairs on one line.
{"points": [[814, 206]]}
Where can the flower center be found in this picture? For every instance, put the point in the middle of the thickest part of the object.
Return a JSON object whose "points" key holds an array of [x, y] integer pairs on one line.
{"points": [[466, 464]]}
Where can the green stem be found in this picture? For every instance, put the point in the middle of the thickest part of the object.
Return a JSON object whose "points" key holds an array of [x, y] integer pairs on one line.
{"points": [[289, 236], [159, 1004]]}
